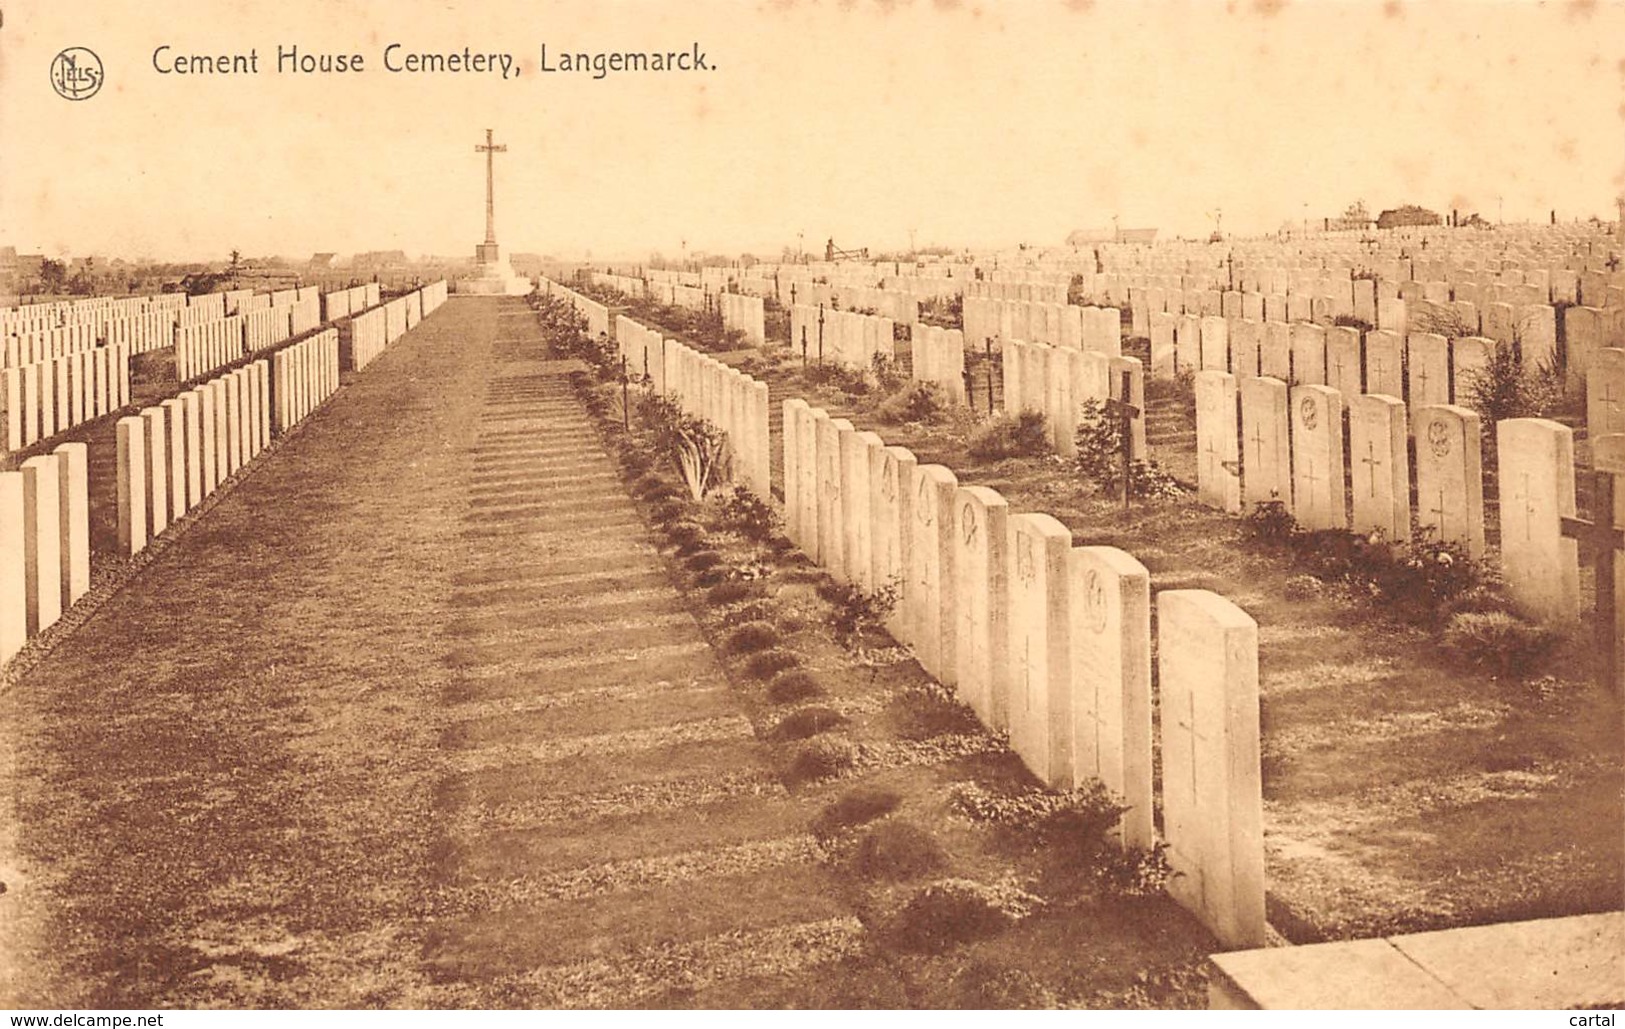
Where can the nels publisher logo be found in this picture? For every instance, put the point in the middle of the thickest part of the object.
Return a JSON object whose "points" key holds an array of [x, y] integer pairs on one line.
{"points": [[76, 73]]}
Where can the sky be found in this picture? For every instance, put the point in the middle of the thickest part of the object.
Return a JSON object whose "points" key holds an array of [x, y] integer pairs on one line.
{"points": [[973, 123]]}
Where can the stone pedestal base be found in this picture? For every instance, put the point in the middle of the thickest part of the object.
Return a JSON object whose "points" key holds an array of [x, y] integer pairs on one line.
{"points": [[494, 280]]}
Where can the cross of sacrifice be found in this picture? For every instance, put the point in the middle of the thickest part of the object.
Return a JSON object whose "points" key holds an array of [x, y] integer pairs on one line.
{"points": [[488, 150], [1604, 535]]}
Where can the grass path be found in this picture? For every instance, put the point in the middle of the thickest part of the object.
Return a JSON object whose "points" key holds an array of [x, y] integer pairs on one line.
{"points": [[415, 716]]}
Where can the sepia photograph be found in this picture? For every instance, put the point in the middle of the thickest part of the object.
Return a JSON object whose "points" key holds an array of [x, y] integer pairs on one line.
{"points": [[767, 505]]}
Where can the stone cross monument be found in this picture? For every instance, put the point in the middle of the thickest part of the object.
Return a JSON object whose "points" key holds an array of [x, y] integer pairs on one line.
{"points": [[492, 273], [487, 251]]}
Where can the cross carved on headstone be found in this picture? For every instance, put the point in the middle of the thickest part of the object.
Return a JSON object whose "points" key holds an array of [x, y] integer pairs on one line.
{"points": [[1609, 398], [1371, 463], [1188, 723], [1528, 508]]}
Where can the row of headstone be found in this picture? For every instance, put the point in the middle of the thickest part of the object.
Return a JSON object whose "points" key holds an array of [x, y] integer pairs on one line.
{"points": [[632, 287], [938, 356], [343, 303], [201, 348], [44, 344], [304, 314], [899, 307], [1586, 331], [1061, 325], [734, 402], [265, 327], [434, 294], [1421, 367], [1259, 440], [1052, 643], [242, 301], [368, 338], [303, 376], [140, 333], [843, 337], [1056, 381], [691, 297], [39, 400], [644, 351], [174, 454], [44, 543], [746, 314], [596, 314], [1041, 292], [98, 311]]}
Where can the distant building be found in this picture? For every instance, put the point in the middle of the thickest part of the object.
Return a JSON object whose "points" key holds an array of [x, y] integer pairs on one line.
{"points": [[1089, 237], [1354, 217], [379, 259], [322, 260], [1410, 214]]}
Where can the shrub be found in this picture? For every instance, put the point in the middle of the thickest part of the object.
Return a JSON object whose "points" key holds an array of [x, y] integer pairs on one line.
{"points": [[731, 591], [752, 637], [1134, 873], [749, 515], [649, 484], [1506, 388], [768, 663], [700, 560], [820, 758], [929, 711], [793, 685], [884, 369], [1303, 587], [687, 531], [667, 512], [859, 615], [1100, 458], [756, 611], [920, 402], [897, 850], [1498, 642], [837, 375], [957, 911], [662, 494], [855, 807], [1348, 321], [1270, 523], [806, 723], [1021, 436], [1078, 817]]}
